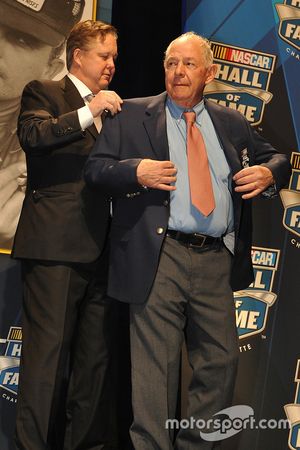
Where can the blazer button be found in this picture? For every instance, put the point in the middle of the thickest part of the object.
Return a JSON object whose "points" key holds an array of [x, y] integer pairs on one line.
{"points": [[166, 202], [36, 195], [159, 230]]}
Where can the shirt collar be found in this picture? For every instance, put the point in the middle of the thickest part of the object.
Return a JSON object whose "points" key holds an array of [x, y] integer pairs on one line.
{"points": [[177, 111], [83, 90]]}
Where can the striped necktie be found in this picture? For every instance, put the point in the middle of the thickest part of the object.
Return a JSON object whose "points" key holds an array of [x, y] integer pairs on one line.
{"points": [[97, 119]]}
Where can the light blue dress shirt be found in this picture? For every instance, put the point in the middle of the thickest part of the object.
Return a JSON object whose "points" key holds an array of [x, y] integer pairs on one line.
{"points": [[183, 215]]}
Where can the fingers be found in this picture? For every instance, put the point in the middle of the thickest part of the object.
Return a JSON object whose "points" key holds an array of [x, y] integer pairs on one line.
{"points": [[252, 194], [118, 98], [157, 174], [166, 187], [113, 102], [167, 180], [252, 181], [251, 189], [105, 100]]}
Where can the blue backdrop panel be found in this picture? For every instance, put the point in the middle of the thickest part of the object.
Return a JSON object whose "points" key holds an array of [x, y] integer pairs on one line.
{"points": [[256, 46], [10, 346]]}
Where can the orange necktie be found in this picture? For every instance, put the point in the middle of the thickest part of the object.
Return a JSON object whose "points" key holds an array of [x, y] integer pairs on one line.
{"points": [[201, 189]]}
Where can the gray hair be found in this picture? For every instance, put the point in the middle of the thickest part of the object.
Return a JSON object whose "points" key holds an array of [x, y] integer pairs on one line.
{"points": [[204, 44]]}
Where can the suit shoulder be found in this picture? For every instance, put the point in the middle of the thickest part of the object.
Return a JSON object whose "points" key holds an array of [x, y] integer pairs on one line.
{"points": [[43, 85], [143, 102], [225, 111]]}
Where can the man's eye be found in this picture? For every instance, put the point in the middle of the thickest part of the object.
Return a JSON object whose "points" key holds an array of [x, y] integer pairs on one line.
{"points": [[191, 65], [23, 40], [171, 64]]}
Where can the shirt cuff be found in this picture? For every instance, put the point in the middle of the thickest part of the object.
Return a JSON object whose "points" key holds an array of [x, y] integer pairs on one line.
{"points": [[85, 117]]}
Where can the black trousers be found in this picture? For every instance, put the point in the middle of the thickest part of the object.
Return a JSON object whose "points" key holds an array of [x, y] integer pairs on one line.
{"points": [[65, 398]]}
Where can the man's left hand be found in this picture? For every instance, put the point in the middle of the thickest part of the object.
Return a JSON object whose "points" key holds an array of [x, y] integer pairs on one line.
{"points": [[252, 181]]}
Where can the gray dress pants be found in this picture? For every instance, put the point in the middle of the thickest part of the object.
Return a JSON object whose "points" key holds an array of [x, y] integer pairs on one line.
{"points": [[191, 299]]}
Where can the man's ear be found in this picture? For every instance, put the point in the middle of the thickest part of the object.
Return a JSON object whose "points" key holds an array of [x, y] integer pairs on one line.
{"points": [[76, 60], [211, 73], [53, 68]]}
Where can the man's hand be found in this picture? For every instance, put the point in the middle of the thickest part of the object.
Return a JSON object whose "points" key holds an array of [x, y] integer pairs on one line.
{"points": [[157, 174], [105, 100], [11, 198], [253, 180]]}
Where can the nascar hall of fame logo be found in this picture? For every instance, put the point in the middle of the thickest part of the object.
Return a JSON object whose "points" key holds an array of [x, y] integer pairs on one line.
{"points": [[252, 305], [242, 80], [292, 412], [291, 201], [9, 363], [289, 25]]}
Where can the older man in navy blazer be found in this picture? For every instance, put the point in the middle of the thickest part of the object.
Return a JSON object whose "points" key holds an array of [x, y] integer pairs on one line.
{"points": [[176, 266]]}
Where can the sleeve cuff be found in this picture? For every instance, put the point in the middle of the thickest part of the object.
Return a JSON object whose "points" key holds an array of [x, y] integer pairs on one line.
{"points": [[85, 117]]}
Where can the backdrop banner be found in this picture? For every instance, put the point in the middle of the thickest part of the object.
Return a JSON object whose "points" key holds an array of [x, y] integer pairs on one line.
{"points": [[20, 24], [256, 46]]}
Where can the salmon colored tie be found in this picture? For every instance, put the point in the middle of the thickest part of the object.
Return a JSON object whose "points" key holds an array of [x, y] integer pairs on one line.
{"points": [[201, 189]]}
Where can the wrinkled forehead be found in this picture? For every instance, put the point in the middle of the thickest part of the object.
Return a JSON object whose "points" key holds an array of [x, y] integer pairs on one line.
{"points": [[185, 48]]}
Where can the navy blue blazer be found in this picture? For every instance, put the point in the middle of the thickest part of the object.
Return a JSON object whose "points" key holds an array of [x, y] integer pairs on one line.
{"points": [[140, 217]]}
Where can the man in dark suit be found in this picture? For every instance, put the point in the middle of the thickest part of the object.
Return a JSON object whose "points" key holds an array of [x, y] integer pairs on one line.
{"points": [[174, 263], [60, 239], [32, 36]]}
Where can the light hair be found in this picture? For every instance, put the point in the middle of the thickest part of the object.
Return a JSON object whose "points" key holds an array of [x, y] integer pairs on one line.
{"points": [[83, 33], [204, 44]]}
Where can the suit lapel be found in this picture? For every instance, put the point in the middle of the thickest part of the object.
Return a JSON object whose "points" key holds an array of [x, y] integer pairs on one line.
{"points": [[75, 101], [155, 125], [222, 127], [93, 130]]}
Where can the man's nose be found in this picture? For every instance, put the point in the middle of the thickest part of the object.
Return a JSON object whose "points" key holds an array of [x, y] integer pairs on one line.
{"points": [[179, 68], [110, 62]]}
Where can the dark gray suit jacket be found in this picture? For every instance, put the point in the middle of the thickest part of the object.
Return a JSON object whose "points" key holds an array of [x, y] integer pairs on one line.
{"points": [[141, 216], [61, 219]]}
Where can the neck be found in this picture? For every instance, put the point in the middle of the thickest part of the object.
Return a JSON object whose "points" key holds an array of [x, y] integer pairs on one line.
{"points": [[78, 74]]}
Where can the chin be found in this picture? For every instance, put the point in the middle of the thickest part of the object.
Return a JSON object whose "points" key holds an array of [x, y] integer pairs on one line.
{"points": [[104, 83], [180, 98]]}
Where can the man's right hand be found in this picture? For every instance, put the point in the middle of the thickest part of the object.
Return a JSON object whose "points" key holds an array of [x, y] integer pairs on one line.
{"points": [[157, 174], [105, 100]]}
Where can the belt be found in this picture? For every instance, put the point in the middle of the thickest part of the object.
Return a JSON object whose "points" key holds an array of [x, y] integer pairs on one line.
{"points": [[196, 240]]}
